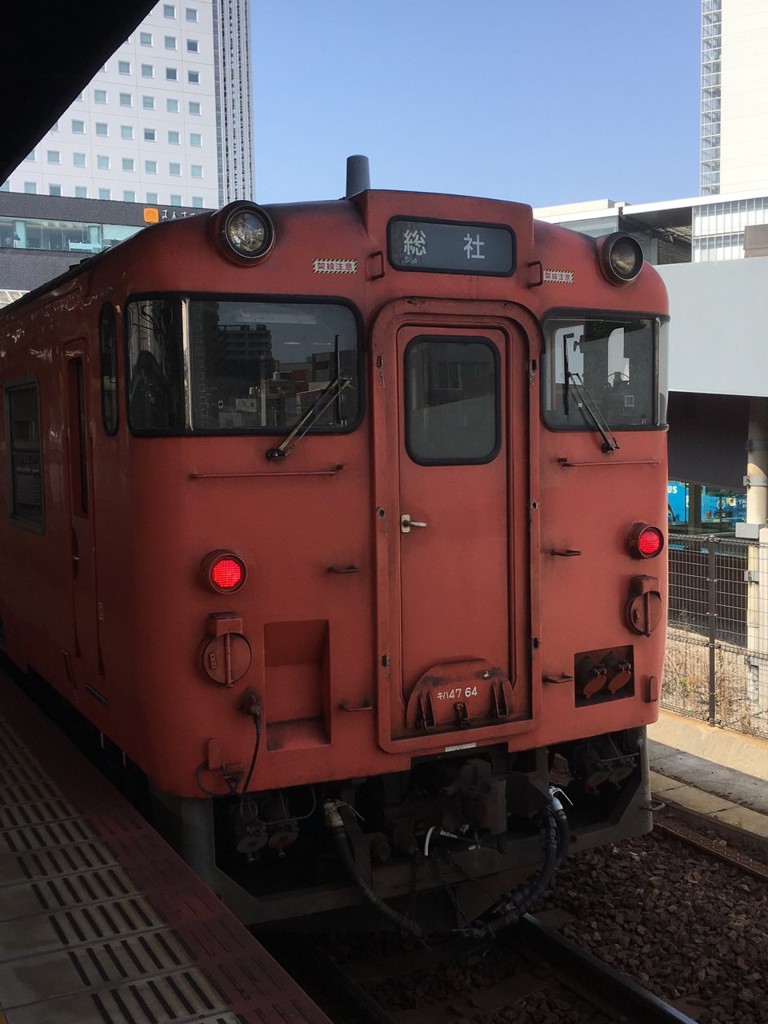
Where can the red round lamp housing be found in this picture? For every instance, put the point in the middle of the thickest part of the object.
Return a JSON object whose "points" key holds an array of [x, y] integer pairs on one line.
{"points": [[645, 541], [223, 571]]}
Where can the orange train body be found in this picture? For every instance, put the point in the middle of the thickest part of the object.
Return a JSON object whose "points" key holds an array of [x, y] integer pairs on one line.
{"points": [[441, 562]]}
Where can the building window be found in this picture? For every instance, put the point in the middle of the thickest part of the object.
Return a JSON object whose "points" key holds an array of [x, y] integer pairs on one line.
{"points": [[78, 160], [175, 200], [126, 131], [150, 166], [101, 128], [150, 134], [194, 108], [81, 192], [53, 156], [126, 99], [193, 46], [193, 77], [54, 190], [102, 163], [30, 157], [196, 170], [152, 198], [124, 67], [172, 106], [23, 432], [169, 11], [128, 163], [147, 70], [174, 170], [170, 42], [148, 102], [191, 14], [105, 193], [171, 74], [78, 127], [197, 201], [145, 38], [129, 197], [195, 139], [174, 138], [30, 187], [99, 95]]}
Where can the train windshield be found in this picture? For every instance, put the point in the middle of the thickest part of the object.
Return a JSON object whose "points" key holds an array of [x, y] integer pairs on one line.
{"points": [[601, 371], [252, 366]]}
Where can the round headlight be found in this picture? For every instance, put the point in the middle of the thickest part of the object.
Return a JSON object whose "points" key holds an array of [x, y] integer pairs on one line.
{"points": [[621, 258], [246, 231]]}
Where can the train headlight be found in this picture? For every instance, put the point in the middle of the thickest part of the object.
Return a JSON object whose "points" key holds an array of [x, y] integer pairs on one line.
{"points": [[223, 571], [245, 231], [645, 541], [621, 258]]}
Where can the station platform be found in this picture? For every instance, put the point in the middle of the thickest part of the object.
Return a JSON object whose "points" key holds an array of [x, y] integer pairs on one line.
{"points": [[100, 921], [711, 771]]}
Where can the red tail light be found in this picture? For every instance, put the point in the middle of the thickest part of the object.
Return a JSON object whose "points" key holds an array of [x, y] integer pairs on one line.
{"points": [[223, 571], [645, 541]]}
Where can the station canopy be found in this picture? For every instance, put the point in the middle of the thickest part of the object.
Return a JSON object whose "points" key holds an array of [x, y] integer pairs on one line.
{"points": [[52, 49]]}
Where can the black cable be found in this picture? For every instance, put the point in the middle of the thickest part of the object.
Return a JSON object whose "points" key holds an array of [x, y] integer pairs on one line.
{"points": [[256, 719]]}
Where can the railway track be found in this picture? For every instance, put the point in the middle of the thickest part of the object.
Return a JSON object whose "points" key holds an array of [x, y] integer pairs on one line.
{"points": [[726, 843], [532, 973]]}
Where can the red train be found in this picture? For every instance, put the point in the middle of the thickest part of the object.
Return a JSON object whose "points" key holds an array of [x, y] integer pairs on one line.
{"points": [[345, 521]]}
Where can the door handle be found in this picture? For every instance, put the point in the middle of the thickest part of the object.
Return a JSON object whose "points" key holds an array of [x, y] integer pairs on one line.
{"points": [[407, 524]]}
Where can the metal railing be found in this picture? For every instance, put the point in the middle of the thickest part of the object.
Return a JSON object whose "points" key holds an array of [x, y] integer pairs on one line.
{"points": [[716, 666]]}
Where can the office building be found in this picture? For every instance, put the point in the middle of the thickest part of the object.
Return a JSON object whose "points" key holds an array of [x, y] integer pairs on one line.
{"points": [[166, 122], [734, 96]]}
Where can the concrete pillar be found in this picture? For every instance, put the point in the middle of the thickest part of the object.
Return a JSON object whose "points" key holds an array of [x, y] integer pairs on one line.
{"points": [[757, 462], [756, 530]]}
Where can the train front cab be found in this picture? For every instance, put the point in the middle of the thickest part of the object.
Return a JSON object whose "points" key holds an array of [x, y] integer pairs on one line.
{"points": [[438, 612], [477, 515]]}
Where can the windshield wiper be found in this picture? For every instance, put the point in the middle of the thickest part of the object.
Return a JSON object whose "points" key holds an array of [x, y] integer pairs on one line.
{"points": [[587, 402], [323, 401]]}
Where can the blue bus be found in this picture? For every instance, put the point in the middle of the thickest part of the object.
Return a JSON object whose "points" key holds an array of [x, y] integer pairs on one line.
{"points": [[720, 508]]}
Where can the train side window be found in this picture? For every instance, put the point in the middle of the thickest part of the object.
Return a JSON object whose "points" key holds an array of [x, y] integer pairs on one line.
{"points": [[601, 369], [452, 400], [155, 384], [22, 406], [108, 362]]}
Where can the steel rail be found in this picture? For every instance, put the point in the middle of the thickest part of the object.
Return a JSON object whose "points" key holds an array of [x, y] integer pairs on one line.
{"points": [[589, 975]]}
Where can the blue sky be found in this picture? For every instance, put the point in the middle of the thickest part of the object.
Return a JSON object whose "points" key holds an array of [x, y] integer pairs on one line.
{"points": [[543, 102]]}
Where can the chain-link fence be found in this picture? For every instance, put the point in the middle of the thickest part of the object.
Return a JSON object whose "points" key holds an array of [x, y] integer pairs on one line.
{"points": [[716, 665]]}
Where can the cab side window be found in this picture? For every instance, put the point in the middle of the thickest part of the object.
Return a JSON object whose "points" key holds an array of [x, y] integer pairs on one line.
{"points": [[108, 363]]}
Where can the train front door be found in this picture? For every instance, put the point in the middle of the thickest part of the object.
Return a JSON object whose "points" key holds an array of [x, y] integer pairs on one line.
{"points": [[457, 471], [84, 657]]}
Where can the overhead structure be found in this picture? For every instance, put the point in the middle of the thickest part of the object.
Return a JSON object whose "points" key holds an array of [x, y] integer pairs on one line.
{"points": [[52, 51]]}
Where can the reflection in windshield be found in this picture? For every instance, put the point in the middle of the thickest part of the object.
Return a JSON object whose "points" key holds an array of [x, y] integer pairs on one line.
{"points": [[253, 366], [615, 365]]}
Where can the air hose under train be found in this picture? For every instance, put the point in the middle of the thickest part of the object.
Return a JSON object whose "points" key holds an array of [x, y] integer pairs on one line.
{"points": [[335, 823], [513, 905], [555, 836]]}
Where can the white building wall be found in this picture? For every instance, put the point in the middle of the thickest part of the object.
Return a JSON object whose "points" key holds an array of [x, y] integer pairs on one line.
{"points": [[147, 128], [719, 327], [744, 96]]}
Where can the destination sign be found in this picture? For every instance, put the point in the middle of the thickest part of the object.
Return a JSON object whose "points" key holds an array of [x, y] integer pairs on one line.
{"points": [[451, 247]]}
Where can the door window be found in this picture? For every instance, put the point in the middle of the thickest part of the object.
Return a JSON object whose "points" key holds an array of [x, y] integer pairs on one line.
{"points": [[452, 400], [23, 431]]}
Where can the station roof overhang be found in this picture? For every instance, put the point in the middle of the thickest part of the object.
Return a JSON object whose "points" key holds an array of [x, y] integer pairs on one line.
{"points": [[52, 50]]}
